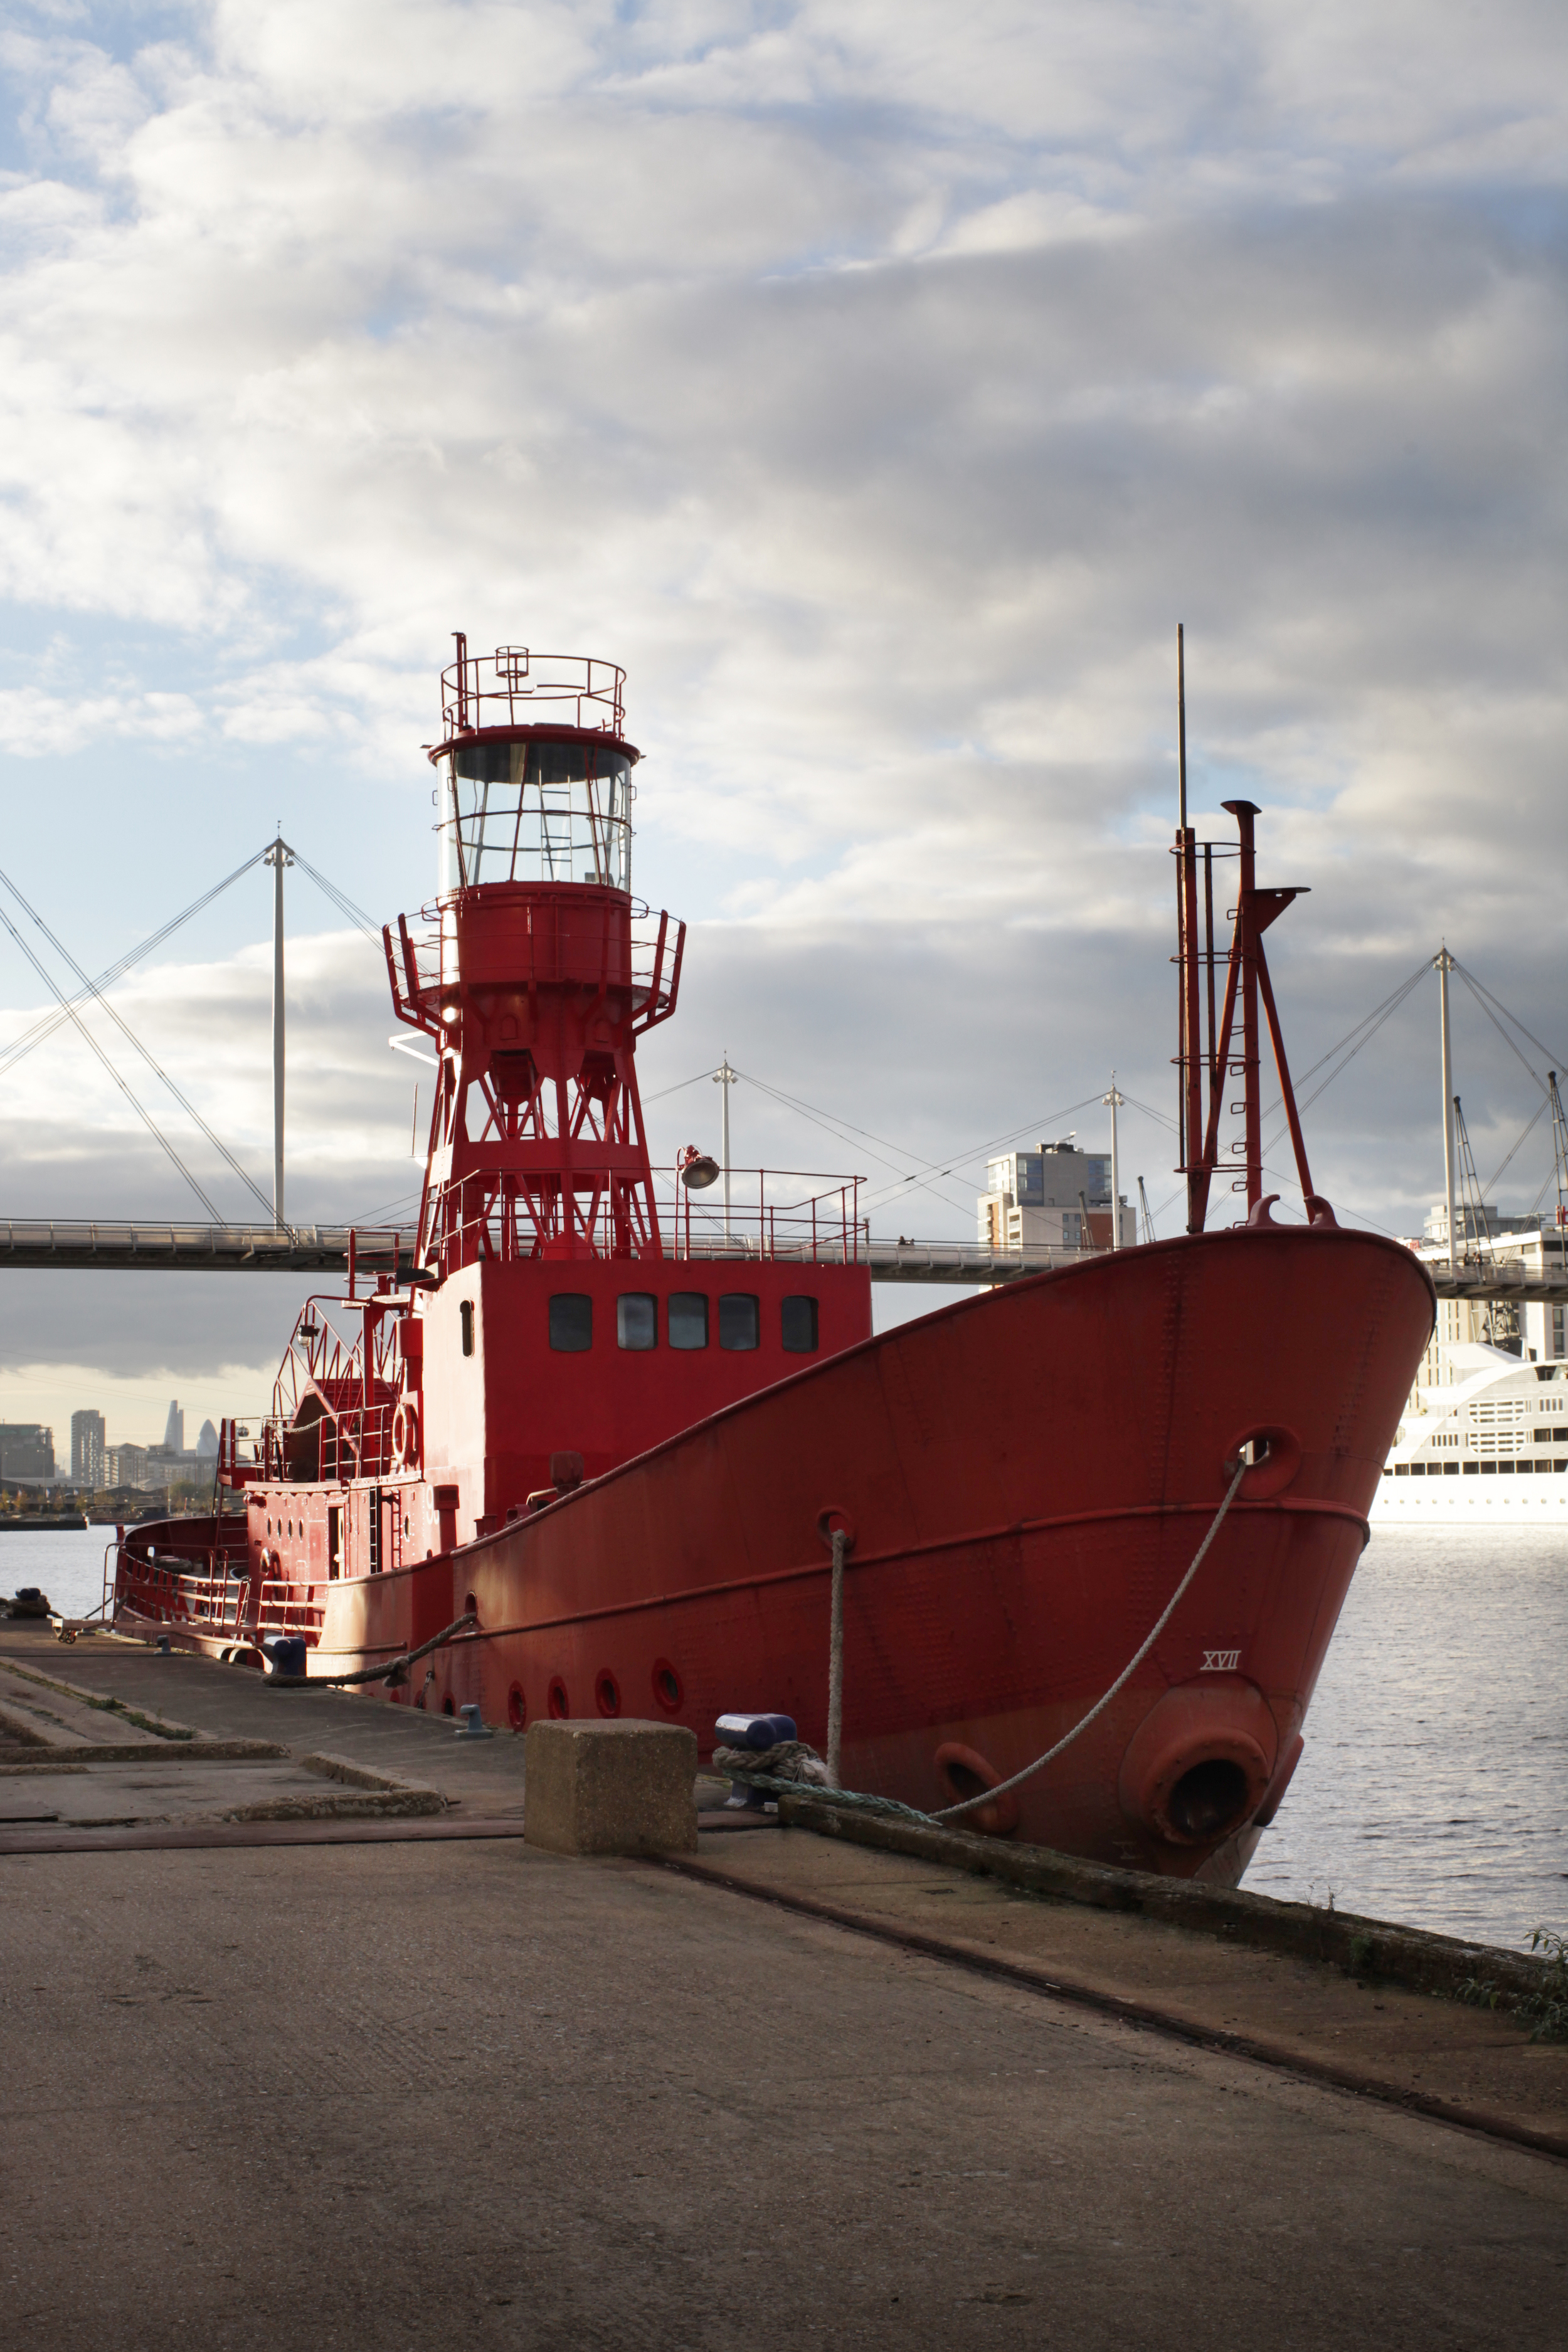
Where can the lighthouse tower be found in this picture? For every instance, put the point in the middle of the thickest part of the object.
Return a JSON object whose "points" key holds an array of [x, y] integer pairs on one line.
{"points": [[536, 972]]}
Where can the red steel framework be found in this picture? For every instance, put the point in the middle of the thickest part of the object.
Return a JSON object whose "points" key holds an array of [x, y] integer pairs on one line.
{"points": [[1229, 1049]]}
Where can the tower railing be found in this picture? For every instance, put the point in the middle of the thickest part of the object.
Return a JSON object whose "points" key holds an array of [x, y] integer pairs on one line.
{"points": [[417, 962], [515, 687]]}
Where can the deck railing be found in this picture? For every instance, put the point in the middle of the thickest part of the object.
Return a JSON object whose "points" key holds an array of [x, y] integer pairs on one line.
{"points": [[515, 687]]}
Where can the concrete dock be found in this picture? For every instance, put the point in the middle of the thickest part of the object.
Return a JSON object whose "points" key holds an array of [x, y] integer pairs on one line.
{"points": [[293, 2059]]}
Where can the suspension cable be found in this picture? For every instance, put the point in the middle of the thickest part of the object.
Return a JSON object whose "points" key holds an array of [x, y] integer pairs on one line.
{"points": [[1363, 1033], [1531, 1123], [146, 1116], [1374, 1019], [131, 1039], [1478, 987], [345, 905], [44, 1028], [1496, 1025]]}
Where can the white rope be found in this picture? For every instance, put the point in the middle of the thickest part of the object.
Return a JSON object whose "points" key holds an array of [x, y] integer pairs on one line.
{"points": [[971, 1804]]}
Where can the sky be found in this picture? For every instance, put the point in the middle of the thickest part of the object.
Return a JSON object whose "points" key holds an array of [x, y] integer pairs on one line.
{"points": [[881, 385]]}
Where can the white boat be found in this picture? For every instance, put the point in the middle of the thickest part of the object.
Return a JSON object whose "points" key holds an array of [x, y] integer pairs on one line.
{"points": [[1487, 1441]]}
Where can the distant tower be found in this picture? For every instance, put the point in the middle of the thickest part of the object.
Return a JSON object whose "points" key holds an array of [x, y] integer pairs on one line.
{"points": [[87, 1449], [206, 1439], [542, 972], [174, 1428]]}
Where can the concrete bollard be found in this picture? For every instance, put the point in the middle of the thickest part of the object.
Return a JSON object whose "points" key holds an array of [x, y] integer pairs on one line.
{"points": [[610, 1788]]}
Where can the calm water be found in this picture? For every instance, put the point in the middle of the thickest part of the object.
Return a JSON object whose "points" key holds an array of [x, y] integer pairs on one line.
{"points": [[1434, 1788]]}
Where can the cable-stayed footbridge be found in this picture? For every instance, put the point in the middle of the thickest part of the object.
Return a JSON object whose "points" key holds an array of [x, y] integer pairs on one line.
{"points": [[1477, 1266]]}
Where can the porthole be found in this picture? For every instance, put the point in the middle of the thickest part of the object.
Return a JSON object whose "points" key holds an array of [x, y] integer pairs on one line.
{"points": [[607, 1694], [667, 1689], [516, 1709], [559, 1707]]}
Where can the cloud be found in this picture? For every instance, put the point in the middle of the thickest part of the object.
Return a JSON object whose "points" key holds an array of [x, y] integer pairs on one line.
{"points": [[880, 387]]}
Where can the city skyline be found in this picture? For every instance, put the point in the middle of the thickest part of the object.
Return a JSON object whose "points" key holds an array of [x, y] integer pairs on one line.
{"points": [[90, 1445]]}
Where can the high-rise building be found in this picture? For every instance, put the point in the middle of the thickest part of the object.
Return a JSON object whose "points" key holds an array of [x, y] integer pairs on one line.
{"points": [[207, 1442], [174, 1428], [26, 1449], [87, 1449], [1057, 1198]]}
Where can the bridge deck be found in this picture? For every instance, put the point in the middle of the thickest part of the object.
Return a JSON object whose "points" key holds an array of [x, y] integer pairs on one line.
{"points": [[149, 1247]]}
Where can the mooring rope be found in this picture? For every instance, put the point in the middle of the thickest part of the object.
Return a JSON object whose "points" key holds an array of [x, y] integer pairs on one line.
{"points": [[391, 1672], [858, 1799]]}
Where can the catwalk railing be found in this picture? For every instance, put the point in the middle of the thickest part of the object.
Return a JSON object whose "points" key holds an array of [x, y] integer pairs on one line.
{"points": [[209, 1592], [515, 687]]}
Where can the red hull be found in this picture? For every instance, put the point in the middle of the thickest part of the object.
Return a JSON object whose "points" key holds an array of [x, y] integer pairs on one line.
{"points": [[1026, 1476]]}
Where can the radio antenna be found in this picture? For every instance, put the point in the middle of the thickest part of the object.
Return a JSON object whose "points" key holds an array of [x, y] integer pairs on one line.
{"points": [[1182, 724]]}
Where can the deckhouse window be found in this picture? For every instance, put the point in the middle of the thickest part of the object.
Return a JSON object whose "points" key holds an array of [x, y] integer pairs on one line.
{"points": [[465, 1317], [738, 1320], [571, 1322], [687, 1319], [637, 1319], [797, 1325]]}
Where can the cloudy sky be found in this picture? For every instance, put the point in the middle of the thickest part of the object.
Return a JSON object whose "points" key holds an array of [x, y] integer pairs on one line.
{"points": [[880, 384]]}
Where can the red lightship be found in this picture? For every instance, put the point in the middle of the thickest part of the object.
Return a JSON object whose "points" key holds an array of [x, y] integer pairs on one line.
{"points": [[619, 1438]]}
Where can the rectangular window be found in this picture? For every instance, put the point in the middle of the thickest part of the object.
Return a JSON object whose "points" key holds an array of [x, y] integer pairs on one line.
{"points": [[797, 1324], [740, 1323], [1557, 1316], [571, 1322], [465, 1317], [687, 1319], [637, 1319]]}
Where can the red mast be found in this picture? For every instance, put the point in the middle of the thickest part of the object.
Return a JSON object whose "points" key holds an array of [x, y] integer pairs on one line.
{"points": [[535, 970], [1230, 1050]]}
